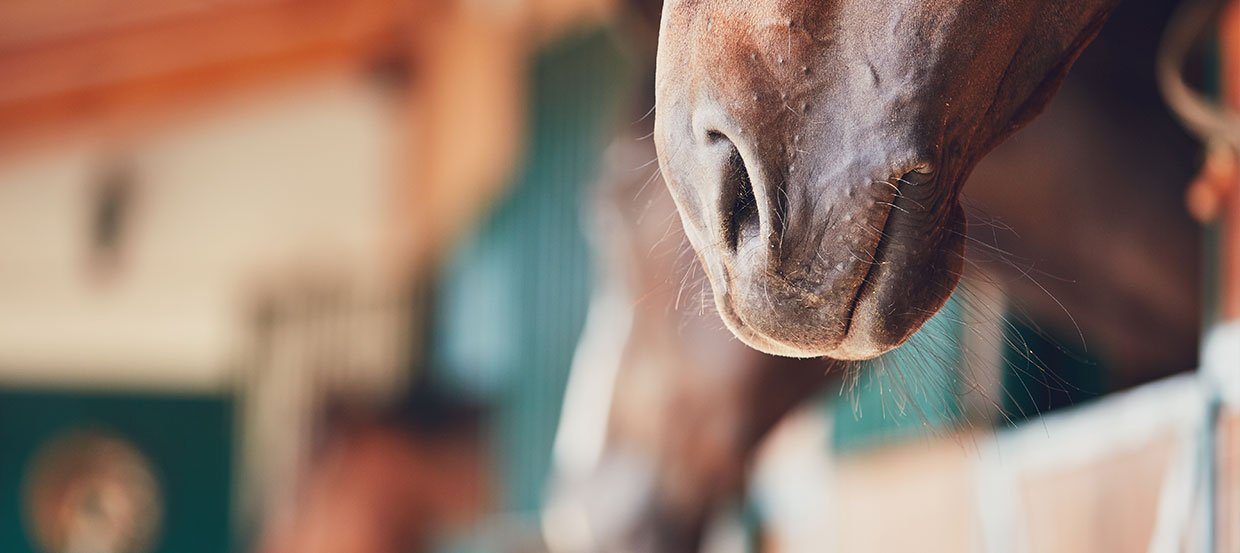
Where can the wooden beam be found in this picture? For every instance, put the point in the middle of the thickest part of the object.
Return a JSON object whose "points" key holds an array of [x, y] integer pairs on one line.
{"points": [[66, 75], [1229, 220]]}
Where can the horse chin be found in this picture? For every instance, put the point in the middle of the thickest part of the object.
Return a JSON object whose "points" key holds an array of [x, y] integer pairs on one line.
{"points": [[869, 333], [856, 346], [888, 305], [757, 340]]}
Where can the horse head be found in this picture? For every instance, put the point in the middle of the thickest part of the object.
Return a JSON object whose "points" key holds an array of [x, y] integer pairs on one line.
{"points": [[816, 150]]}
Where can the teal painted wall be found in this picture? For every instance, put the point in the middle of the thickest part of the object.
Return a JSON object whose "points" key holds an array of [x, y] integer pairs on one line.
{"points": [[514, 298], [917, 389], [188, 439]]}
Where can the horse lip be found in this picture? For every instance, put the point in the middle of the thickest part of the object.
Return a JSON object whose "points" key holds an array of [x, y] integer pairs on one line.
{"points": [[859, 347], [879, 250], [747, 332]]}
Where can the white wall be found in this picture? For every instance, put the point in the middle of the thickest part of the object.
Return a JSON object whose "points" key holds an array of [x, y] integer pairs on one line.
{"points": [[238, 199]]}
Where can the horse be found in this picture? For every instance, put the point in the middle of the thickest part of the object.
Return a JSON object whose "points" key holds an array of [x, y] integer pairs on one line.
{"points": [[816, 155], [816, 150]]}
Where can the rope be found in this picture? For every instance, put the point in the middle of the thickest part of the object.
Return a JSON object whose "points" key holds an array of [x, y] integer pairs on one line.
{"points": [[1202, 117]]}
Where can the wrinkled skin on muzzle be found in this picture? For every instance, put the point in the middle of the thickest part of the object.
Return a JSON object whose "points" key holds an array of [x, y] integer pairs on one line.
{"points": [[816, 150]]}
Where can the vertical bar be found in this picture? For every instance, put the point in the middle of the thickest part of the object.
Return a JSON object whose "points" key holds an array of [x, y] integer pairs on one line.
{"points": [[1229, 222], [1218, 515]]}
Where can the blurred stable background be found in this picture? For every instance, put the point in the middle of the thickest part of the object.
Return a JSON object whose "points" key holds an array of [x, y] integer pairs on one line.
{"points": [[372, 276]]}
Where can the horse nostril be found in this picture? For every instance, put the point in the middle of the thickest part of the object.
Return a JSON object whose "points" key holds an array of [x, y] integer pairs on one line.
{"points": [[741, 219]]}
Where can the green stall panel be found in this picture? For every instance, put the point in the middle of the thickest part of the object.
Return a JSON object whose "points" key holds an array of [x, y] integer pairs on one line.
{"points": [[513, 300], [919, 388], [187, 442]]}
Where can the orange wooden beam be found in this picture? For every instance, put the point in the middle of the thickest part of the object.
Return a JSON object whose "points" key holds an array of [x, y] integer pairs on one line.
{"points": [[1229, 213], [64, 77]]}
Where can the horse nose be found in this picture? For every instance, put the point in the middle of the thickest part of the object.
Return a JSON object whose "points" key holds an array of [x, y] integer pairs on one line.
{"points": [[749, 211]]}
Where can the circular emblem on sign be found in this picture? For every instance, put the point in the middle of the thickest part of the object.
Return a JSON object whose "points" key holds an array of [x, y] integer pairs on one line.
{"points": [[92, 492]]}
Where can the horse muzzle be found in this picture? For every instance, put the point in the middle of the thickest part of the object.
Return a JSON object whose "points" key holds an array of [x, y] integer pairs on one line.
{"points": [[813, 250]]}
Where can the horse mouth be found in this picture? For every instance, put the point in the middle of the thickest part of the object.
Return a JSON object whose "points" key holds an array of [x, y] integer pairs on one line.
{"points": [[860, 344], [879, 254], [911, 268]]}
